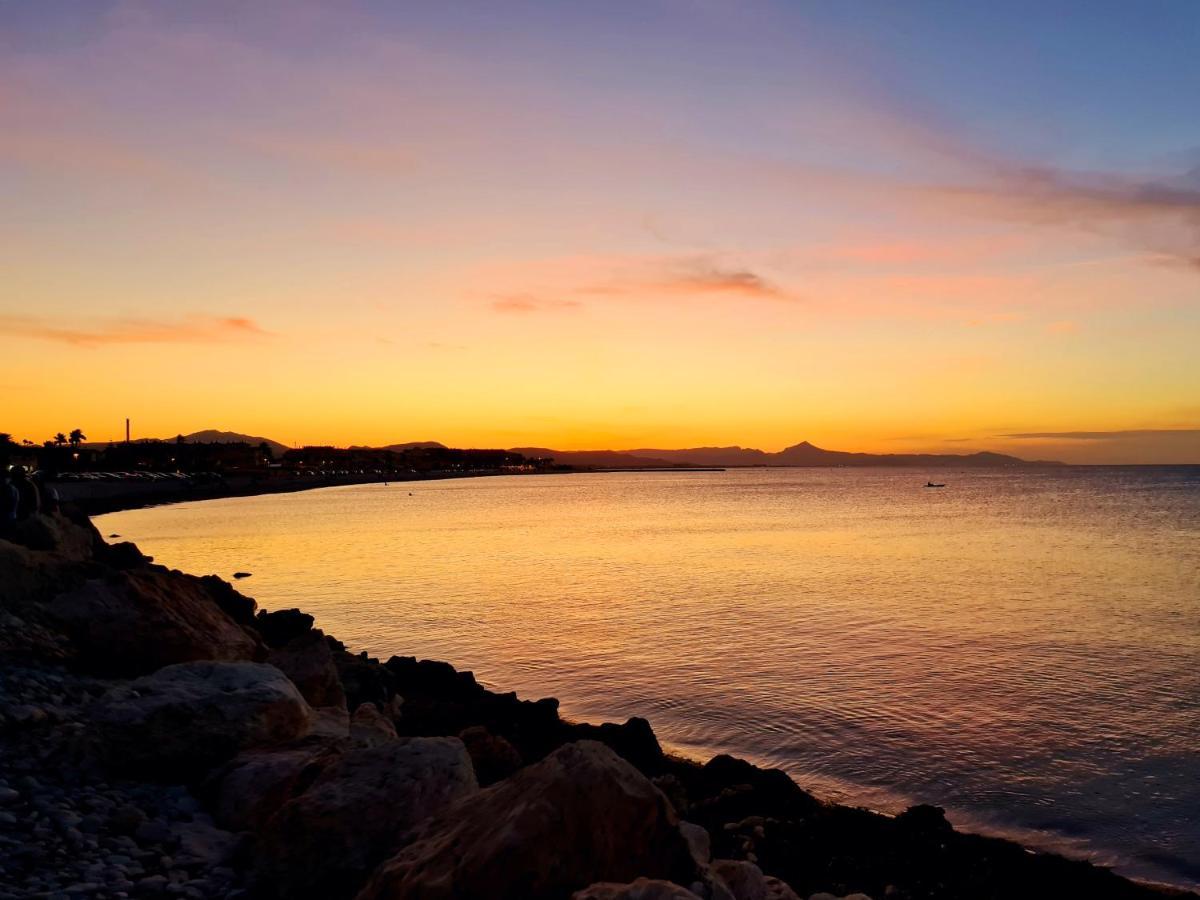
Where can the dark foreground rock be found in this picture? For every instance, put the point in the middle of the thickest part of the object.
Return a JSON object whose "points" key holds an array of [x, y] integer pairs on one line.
{"points": [[581, 815], [187, 718], [160, 737]]}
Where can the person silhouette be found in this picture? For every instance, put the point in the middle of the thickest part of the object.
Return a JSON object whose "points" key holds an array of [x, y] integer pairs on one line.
{"points": [[10, 500], [29, 501]]}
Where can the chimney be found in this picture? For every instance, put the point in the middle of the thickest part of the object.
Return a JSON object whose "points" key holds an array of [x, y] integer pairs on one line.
{"points": [[127, 431]]}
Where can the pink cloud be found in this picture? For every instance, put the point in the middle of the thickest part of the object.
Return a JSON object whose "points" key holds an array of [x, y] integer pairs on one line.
{"points": [[192, 329]]}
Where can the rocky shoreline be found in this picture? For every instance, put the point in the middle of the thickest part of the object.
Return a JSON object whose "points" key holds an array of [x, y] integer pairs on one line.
{"points": [[160, 736]]}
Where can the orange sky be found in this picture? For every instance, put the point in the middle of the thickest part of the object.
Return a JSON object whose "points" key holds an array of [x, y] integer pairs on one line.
{"points": [[325, 227]]}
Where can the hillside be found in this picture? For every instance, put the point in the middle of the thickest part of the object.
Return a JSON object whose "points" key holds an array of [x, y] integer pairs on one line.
{"points": [[213, 436], [802, 454]]}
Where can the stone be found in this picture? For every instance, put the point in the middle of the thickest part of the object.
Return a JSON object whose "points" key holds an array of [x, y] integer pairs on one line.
{"points": [[187, 718], [308, 661], [134, 622], [126, 819], [744, 879], [325, 842], [58, 534], [281, 626], [580, 816], [124, 555], [699, 842], [253, 787], [369, 727], [493, 757], [778, 890], [640, 889], [202, 846]]}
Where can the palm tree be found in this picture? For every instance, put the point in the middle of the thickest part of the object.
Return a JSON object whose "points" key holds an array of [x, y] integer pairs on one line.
{"points": [[77, 437], [60, 439]]}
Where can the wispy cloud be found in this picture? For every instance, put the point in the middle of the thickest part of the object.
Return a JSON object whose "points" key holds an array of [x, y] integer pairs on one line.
{"points": [[703, 276], [666, 279], [527, 303], [191, 329]]}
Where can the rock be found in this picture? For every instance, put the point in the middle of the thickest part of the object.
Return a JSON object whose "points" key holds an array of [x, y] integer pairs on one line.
{"points": [[201, 846], [187, 718], [325, 842], [634, 740], [369, 727], [308, 661], [744, 879], [253, 787], [152, 832], [924, 820], [580, 816], [641, 889], [777, 890], [235, 604], [57, 534], [699, 842], [126, 819], [133, 622], [493, 757], [124, 555], [282, 626], [332, 722], [366, 681]]}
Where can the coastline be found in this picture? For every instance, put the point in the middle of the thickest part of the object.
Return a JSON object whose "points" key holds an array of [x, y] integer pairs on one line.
{"points": [[108, 497], [77, 616]]}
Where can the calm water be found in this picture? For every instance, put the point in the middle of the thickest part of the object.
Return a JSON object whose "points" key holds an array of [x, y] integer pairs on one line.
{"points": [[1021, 648]]}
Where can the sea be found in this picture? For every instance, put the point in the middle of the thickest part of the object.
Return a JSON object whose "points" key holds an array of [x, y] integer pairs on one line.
{"points": [[1020, 647]]}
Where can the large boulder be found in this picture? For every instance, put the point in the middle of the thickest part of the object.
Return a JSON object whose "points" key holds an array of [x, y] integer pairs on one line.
{"points": [[68, 539], [580, 816], [135, 621], [325, 842], [187, 718], [308, 661], [641, 889]]}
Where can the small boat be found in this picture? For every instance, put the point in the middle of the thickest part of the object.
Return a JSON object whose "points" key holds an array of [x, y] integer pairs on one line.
{"points": [[931, 484]]}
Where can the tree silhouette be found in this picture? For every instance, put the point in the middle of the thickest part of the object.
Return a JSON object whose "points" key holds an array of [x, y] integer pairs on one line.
{"points": [[265, 449], [60, 439], [77, 437]]}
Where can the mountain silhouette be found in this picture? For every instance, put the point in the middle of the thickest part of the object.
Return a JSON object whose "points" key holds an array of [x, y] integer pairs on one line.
{"points": [[213, 436], [802, 454]]}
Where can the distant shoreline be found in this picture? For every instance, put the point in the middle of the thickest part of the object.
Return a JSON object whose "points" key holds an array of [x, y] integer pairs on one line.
{"points": [[109, 497]]}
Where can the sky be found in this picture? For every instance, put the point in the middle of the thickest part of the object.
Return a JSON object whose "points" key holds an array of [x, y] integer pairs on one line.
{"points": [[886, 227]]}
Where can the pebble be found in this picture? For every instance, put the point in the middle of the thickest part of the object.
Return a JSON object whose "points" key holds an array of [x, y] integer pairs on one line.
{"points": [[65, 835]]}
